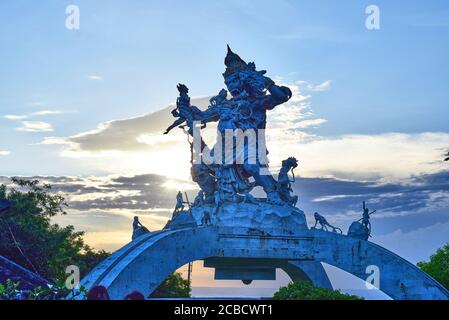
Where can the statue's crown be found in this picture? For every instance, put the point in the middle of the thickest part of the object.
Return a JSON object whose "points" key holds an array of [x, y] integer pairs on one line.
{"points": [[234, 63]]}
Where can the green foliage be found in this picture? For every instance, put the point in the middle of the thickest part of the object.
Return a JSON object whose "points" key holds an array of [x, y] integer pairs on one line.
{"points": [[56, 292], [438, 266], [10, 290], [28, 237], [303, 290], [173, 287]]}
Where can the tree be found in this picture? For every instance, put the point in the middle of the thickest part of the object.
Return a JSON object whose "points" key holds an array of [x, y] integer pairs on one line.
{"points": [[28, 237], [438, 266], [302, 290], [173, 287]]}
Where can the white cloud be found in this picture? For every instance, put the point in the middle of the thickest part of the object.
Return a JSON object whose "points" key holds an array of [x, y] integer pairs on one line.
{"points": [[15, 117], [47, 112], [386, 157], [4, 153], [35, 126], [94, 77], [324, 86], [289, 114], [36, 114], [309, 123], [55, 140]]}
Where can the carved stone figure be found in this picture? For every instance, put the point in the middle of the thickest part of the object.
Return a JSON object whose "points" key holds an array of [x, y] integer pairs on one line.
{"points": [[138, 228], [252, 95], [206, 219], [179, 203], [362, 228], [184, 111], [319, 219], [203, 175], [366, 217], [199, 199], [284, 184]]}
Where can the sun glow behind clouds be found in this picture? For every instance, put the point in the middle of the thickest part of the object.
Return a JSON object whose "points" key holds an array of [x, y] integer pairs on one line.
{"points": [[136, 145]]}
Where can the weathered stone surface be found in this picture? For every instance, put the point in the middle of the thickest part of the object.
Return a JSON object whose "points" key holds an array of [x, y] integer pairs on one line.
{"points": [[260, 216], [183, 219], [359, 231]]}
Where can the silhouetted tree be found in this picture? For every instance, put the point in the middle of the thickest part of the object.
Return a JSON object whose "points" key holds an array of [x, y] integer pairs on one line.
{"points": [[173, 287], [302, 290], [28, 237]]}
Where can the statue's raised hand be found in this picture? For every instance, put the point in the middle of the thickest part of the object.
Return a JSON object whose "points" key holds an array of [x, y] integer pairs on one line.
{"points": [[183, 90]]}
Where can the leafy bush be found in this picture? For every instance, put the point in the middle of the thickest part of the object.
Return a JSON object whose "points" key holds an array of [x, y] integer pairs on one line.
{"points": [[173, 287], [10, 291], [438, 266], [302, 290]]}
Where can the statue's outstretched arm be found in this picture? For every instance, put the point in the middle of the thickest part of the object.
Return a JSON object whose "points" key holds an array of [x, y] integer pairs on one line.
{"points": [[278, 95], [209, 115]]}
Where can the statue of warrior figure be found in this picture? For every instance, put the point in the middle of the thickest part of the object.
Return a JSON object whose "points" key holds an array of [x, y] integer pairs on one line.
{"points": [[252, 95], [366, 218], [184, 112]]}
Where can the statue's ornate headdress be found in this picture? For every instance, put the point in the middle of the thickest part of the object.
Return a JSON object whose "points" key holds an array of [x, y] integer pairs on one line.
{"points": [[254, 80], [234, 63]]}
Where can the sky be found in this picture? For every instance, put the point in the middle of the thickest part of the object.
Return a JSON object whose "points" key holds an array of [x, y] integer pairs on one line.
{"points": [[85, 109]]}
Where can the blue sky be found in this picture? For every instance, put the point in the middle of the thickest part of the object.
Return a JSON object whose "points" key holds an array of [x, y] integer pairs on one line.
{"points": [[370, 109], [393, 79]]}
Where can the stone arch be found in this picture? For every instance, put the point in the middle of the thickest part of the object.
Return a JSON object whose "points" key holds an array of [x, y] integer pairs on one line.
{"points": [[312, 271], [146, 262], [399, 279]]}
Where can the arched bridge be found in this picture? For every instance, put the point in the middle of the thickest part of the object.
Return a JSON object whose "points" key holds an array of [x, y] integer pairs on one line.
{"points": [[147, 261]]}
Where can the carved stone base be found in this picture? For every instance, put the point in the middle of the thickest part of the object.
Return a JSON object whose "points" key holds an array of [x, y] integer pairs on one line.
{"points": [[262, 217]]}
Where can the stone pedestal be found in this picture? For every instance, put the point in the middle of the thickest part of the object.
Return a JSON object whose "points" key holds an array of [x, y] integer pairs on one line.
{"points": [[259, 217]]}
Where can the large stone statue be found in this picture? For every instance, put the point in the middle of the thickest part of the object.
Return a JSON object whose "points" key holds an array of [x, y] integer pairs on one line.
{"points": [[252, 95], [241, 236]]}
